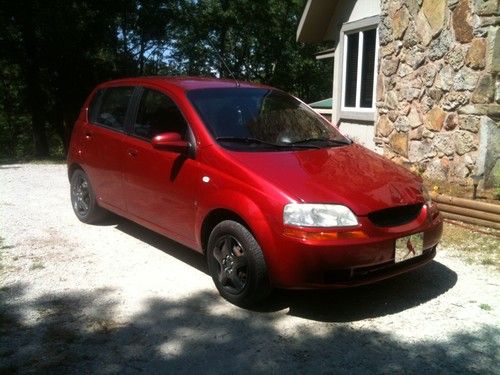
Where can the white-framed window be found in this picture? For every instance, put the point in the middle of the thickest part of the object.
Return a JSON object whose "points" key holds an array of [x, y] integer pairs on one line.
{"points": [[359, 46], [359, 70]]}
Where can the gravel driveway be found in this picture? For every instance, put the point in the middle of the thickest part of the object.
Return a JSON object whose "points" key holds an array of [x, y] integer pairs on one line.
{"points": [[120, 298]]}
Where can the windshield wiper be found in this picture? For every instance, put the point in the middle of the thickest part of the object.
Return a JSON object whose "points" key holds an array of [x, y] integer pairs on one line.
{"points": [[305, 144], [250, 141], [246, 140], [330, 142]]}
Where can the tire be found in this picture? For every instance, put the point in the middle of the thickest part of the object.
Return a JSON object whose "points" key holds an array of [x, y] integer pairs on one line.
{"points": [[83, 199], [237, 265]]}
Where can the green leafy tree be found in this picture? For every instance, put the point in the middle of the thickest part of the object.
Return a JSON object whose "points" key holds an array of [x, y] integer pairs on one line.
{"points": [[256, 39], [53, 52]]}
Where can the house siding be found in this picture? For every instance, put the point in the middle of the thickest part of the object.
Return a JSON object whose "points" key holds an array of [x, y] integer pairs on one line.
{"points": [[347, 11], [438, 87]]}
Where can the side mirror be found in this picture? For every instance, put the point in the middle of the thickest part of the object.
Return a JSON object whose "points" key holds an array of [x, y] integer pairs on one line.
{"points": [[170, 142]]}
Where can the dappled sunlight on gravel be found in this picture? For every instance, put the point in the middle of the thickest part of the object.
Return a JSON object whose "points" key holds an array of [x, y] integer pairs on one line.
{"points": [[119, 298]]}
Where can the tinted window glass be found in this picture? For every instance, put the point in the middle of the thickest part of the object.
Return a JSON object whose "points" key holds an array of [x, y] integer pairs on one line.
{"points": [[94, 106], [262, 116], [368, 69], [360, 46], [351, 70], [113, 107], [158, 114]]}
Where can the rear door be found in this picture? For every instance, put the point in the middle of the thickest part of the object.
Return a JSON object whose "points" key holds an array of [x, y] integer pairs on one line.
{"points": [[104, 148], [161, 186]]}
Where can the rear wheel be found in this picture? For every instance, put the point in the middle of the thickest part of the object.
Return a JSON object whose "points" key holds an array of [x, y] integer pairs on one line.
{"points": [[236, 264], [83, 199]]}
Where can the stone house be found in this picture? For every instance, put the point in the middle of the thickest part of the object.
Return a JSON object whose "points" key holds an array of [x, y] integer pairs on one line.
{"points": [[416, 80]]}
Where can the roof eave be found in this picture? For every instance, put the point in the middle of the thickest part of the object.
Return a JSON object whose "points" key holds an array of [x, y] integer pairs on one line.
{"points": [[315, 20]]}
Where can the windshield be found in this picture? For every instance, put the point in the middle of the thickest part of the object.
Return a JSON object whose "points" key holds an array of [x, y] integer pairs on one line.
{"points": [[257, 118]]}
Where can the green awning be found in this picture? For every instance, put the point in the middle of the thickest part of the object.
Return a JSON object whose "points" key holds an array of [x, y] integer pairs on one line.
{"points": [[323, 104]]}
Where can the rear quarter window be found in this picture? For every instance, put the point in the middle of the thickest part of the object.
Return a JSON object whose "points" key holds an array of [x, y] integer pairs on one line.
{"points": [[109, 107]]}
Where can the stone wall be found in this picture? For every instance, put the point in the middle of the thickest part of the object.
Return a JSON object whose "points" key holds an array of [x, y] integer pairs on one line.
{"points": [[438, 91]]}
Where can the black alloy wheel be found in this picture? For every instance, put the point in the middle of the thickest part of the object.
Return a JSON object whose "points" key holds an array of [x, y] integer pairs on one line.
{"points": [[83, 198], [236, 264], [232, 264]]}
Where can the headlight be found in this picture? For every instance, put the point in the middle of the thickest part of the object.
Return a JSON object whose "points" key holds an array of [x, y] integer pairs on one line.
{"points": [[318, 215]]}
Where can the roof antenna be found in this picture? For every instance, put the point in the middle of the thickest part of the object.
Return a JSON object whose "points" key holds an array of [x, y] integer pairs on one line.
{"points": [[224, 63]]}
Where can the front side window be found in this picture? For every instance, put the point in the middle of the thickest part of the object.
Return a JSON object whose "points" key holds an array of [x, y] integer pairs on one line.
{"points": [[158, 114], [109, 108], [262, 119], [359, 69]]}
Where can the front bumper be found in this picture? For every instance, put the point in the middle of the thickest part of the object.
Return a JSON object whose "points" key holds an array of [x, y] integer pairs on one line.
{"points": [[367, 275], [302, 264]]}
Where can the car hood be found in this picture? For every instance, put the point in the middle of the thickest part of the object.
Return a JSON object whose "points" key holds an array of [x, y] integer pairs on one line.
{"points": [[349, 175]]}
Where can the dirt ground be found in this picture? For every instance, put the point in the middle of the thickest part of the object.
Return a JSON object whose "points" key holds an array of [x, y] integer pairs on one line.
{"points": [[118, 298]]}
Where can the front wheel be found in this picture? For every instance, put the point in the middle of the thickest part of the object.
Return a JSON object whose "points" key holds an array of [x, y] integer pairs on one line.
{"points": [[83, 199], [237, 265]]}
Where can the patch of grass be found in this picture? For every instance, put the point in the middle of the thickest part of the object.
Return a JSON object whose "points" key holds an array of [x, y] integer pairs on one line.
{"points": [[490, 195], [488, 262], [37, 266], [51, 160], [485, 307], [472, 246], [3, 246], [56, 159]]}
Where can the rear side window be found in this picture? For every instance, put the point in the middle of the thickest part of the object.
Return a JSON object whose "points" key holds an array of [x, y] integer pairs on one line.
{"points": [[158, 114], [109, 107]]}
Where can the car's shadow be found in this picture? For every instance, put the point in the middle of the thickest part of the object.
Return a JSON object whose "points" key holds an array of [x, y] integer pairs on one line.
{"points": [[172, 248], [370, 301], [340, 305]]}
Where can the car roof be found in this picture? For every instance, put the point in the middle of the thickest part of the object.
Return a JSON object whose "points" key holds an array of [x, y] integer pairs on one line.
{"points": [[186, 83]]}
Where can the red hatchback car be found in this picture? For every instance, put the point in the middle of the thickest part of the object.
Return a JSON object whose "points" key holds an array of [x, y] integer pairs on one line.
{"points": [[250, 176]]}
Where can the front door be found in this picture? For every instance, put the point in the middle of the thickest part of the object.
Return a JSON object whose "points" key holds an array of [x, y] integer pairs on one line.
{"points": [[160, 185]]}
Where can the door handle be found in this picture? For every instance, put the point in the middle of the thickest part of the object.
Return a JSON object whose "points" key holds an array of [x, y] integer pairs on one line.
{"points": [[132, 152]]}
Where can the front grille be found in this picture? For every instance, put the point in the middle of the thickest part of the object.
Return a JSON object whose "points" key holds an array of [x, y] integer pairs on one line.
{"points": [[394, 216]]}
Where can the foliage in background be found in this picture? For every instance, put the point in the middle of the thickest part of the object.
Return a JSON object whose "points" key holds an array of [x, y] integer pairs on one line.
{"points": [[53, 52]]}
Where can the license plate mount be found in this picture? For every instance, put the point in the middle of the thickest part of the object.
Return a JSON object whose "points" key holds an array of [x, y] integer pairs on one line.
{"points": [[409, 247]]}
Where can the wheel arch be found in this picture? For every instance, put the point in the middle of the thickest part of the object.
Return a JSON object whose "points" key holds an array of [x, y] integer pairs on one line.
{"points": [[250, 215], [72, 168], [215, 217]]}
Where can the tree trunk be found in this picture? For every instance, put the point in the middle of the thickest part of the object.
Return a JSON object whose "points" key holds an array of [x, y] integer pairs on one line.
{"points": [[224, 71], [12, 129], [141, 56], [32, 75]]}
